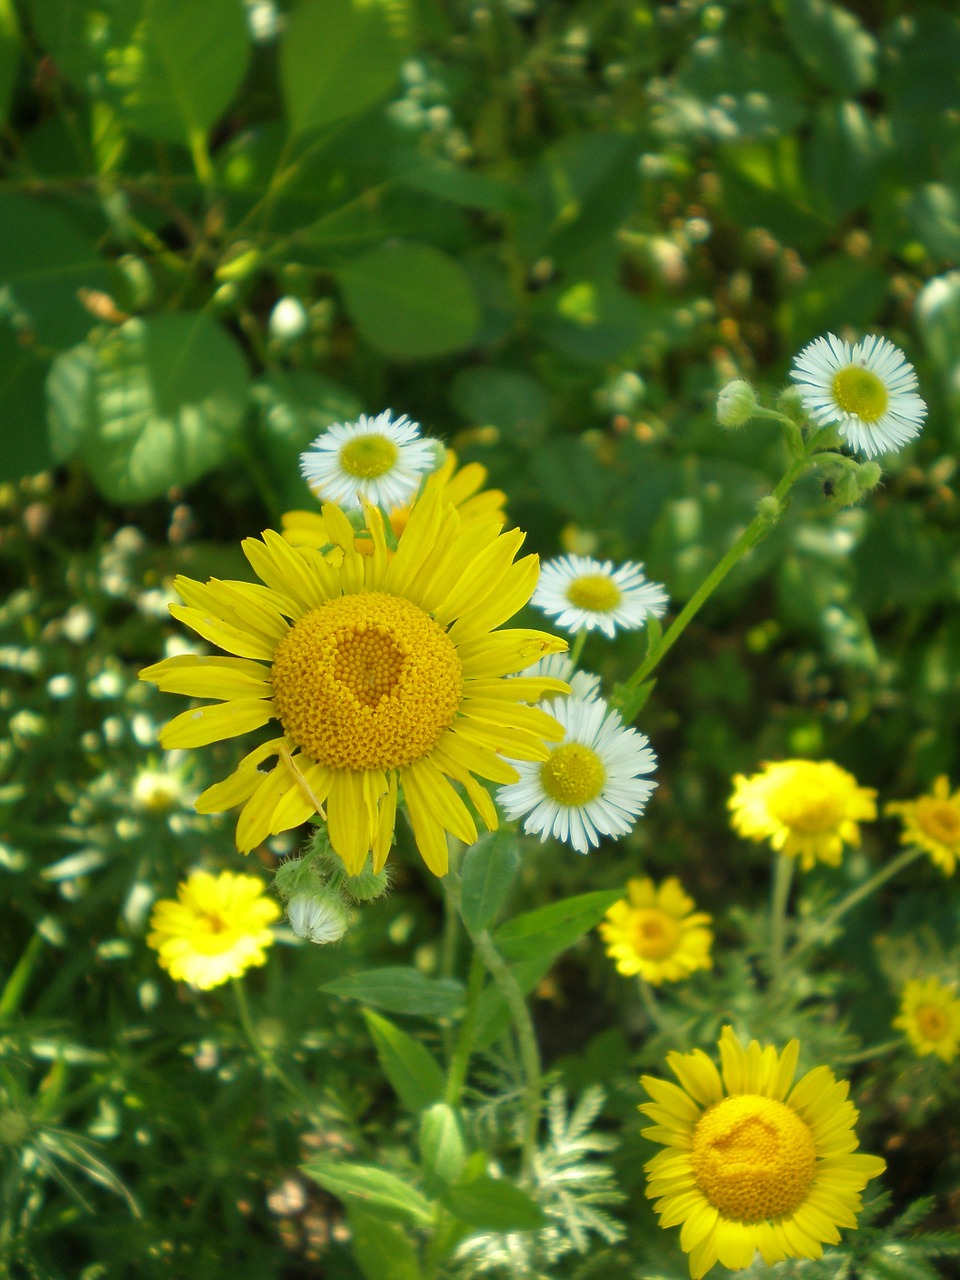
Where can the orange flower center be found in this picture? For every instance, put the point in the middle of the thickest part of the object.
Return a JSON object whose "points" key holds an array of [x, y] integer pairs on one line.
{"points": [[932, 1022], [655, 933], [753, 1157], [939, 819]]}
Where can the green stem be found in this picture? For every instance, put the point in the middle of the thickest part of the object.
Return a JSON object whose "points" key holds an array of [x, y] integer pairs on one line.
{"points": [[854, 898], [780, 895], [460, 1061], [16, 984], [867, 1055], [499, 970], [271, 1068], [576, 649], [648, 999]]}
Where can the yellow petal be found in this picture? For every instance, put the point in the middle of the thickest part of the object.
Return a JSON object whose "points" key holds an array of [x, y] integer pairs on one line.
{"points": [[349, 824], [241, 784], [253, 826], [223, 634], [203, 677], [386, 822], [212, 724], [425, 781]]}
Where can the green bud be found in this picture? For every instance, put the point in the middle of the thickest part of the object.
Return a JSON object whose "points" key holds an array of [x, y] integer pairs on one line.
{"points": [[240, 261], [366, 886], [790, 402], [736, 404], [869, 475], [770, 509]]}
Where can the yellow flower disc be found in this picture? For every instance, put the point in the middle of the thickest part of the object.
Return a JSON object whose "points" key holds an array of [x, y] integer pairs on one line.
{"points": [[939, 819], [932, 1022], [368, 457], [594, 592], [366, 681], [655, 933], [573, 775], [808, 801], [861, 393], [753, 1157]]}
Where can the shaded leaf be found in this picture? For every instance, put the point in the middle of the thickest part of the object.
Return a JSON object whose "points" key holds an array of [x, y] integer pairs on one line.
{"points": [[383, 1249], [551, 929], [411, 1069], [372, 1187], [401, 990], [488, 871], [492, 1204]]}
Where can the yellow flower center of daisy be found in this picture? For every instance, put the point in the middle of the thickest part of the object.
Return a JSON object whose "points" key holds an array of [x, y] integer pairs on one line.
{"points": [[861, 393], [939, 819], [366, 681], [807, 804], [753, 1157], [594, 592], [573, 775], [368, 457], [655, 934], [932, 1021], [211, 934]]}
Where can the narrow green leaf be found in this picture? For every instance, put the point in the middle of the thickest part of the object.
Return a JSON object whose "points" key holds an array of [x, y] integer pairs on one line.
{"points": [[442, 1148], [9, 55], [488, 871], [551, 929], [376, 1188], [339, 57], [410, 301], [492, 1204], [383, 1249], [411, 1069], [401, 990]]}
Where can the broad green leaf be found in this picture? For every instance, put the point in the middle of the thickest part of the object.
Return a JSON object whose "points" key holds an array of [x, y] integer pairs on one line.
{"points": [[383, 1249], [488, 871], [934, 213], [442, 1148], [551, 929], [164, 401], [9, 55], [938, 319], [44, 260], [295, 407], [410, 301], [372, 1187], [590, 320], [401, 990], [492, 1204], [734, 90], [509, 399], [833, 44], [448, 181], [837, 285], [26, 447], [843, 160], [339, 57], [78, 37], [182, 68], [411, 1069]]}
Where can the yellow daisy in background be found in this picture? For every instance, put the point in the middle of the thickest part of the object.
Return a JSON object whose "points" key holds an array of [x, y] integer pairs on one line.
{"points": [[216, 929], [656, 933], [751, 1162], [930, 1018], [932, 823], [462, 487], [383, 671], [806, 809]]}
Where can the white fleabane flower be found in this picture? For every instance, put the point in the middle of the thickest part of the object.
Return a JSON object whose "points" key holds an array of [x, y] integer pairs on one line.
{"points": [[590, 785], [868, 390], [378, 458], [580, 592], [583, 684]]}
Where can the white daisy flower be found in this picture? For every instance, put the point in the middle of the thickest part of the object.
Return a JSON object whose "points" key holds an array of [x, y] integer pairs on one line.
{"points": [[581, 592], [590, 785], [868, 390], [378, 458], [583, 684]]}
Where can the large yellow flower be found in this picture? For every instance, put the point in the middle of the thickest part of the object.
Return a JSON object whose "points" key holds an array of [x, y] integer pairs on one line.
{"points": [[751, 1163], [216, 929], [382, 670], [932, 823], [805, 808], [462, 488], [657, 934], [930, 1018]]}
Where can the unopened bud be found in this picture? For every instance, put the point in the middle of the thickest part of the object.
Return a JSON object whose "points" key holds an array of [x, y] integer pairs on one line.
{"points": [[869, 475], [367, 886], [770, 509], [736, 404], [317, 917], [790, 402], [288, 320]]}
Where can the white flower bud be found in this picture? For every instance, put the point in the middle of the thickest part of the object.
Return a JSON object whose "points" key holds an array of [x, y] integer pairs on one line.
{"points": [[288, 320], [736, 404], [317, 917]]}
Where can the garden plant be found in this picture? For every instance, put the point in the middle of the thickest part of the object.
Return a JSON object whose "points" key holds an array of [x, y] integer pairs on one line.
{"points": [[479, 786]]}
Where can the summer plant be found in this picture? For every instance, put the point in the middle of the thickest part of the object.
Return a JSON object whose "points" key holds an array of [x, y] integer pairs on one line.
{"points": [[535, 864]]}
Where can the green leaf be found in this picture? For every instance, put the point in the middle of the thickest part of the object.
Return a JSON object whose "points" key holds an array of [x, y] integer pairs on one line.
{"points": [[488, 871], [9, 55], [26, 447], [411, 1069], [493, 1013], [401, 990], [833, 44], [442, 1147], [836, 285], [509, 399], [182, 68], [45, 259], [373, 1187], [448, 181], [339, 57], [410, 301], [156, 403], [295, 407], [492, 1204], [846, 147], [383, 1249], [938, 319], [934, 213], [551, 929]]}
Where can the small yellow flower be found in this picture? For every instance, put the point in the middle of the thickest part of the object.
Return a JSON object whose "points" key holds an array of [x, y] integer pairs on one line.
{"points": [[932, 823], [805, 808], [751, 1162], [657, 934], [217, 928], [930, 1018]]}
